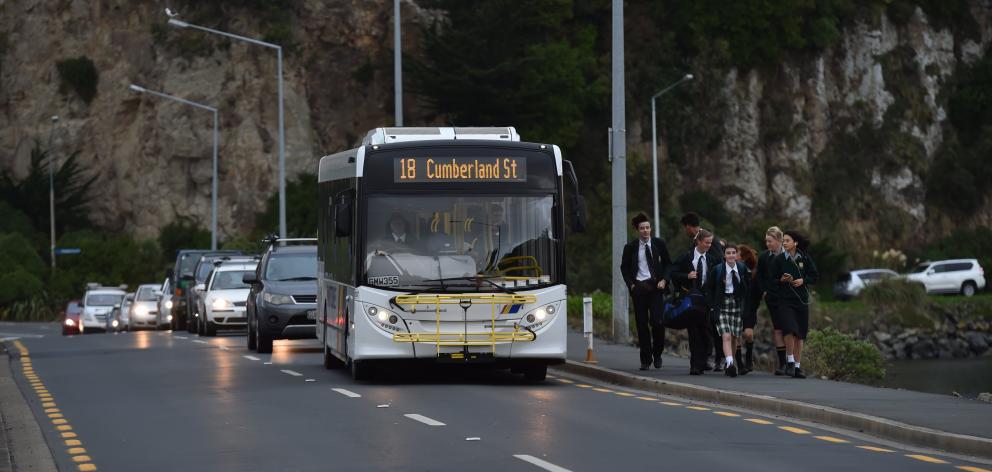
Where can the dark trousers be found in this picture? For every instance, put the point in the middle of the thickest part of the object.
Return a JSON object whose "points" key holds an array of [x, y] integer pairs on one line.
{"points": [[699, 338], [717, 341], [647, 315]]}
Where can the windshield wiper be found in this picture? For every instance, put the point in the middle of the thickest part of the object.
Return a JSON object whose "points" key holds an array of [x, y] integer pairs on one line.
{"points": [[295, 278], [472, 278]]}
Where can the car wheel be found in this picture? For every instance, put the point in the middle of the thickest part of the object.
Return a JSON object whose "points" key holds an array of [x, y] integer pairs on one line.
{"points": [[968, 289], [536, 372], [211, 329], [263, 341], [252, 342]]}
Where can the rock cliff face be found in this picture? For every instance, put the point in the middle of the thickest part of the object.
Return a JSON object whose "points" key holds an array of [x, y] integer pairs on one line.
{"points": [[154, 156]]}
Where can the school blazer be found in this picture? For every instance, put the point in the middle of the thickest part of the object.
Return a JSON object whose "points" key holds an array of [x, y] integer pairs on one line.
{"points": [[628, 261], [803, 268], [717, 283], [679, 272]]}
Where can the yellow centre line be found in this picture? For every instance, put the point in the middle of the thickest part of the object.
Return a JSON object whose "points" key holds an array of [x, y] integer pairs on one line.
{"points": [[86, 467], [73, 442], [52, 410], [625, 394], [61, 421], [64, 427], [68, 434], [832, 439], [726, 413], [921, 457], [55, 415], [698, 408], [650, 399], [566, 381], [76, 450], [604, 390], [671, 403], [81, 458], [758, 421], [969, 468], [583, 385], [49, 405], [793, 429]]}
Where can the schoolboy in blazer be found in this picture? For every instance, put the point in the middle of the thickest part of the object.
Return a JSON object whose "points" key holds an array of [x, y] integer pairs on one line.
{"points": [[643, 265]]}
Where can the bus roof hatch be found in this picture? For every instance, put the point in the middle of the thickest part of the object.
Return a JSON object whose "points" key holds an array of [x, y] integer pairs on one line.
{"points": [[398, 135]]}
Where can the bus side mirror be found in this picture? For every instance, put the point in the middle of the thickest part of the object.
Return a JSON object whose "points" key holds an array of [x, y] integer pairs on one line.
{"points": [[579, 216], [342, 215]]}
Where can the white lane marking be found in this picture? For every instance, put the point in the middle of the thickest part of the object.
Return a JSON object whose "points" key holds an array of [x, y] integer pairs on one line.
{"points": [[382, 406], [310, 380], [291, 372], [200, 341], [225, 348], [180, 337], [251, 358], [540, 463], [268, 363], [423, 419], [347, 393], [24, 335], [14, 338], [474, 438]]}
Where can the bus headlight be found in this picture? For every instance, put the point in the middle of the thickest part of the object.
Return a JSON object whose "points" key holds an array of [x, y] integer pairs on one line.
{"points": [[540, 316], [220, 304], [384, 319], [277, 299]]}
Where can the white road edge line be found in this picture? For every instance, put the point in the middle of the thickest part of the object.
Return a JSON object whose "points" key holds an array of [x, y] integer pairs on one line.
{"points": [[200, 341], [291, 372], [224, 348], [180, 337], [423, 419], [251, 358], [347, 393], [540, 463]]}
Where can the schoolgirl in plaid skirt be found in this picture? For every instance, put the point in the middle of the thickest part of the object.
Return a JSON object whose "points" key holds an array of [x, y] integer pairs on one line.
{"points": [[726, 290]]}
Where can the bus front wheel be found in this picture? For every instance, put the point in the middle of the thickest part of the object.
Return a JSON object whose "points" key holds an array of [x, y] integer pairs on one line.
{"points": [[360, 370], [536, 372]]}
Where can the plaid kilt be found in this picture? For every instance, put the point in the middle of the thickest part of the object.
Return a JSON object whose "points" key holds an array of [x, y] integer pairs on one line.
{"points": [[730, 319]]}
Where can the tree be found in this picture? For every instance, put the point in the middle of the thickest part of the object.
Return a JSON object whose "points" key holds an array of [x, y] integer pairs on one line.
{"points": [[73, 192], [301, 209]]}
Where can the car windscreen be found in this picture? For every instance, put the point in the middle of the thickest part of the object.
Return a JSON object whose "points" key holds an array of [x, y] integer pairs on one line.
{"points": [[229, 280], [103, 299], [145, 294], [204, 269], [187, 262], [292, 267]]}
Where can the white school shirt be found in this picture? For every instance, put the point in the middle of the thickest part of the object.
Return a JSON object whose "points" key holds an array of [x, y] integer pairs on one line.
{"points": [[695, 263], [729, 283], [643, 270]]}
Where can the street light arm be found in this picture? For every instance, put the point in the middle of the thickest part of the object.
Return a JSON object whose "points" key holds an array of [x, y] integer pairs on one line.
{"points": [[140, 89], [183, 24], [684, 78]]}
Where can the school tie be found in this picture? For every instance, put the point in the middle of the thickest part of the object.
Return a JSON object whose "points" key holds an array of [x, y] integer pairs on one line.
{"points": [[647, 255], [737, 282], [699, 270]]}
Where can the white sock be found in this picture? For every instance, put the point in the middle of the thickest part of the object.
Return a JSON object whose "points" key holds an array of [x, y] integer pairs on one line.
{"points": [[797, 365], [790, 359], [730, 361]]}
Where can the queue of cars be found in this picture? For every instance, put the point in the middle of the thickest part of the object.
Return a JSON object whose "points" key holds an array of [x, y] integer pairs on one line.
{"points": [[274, 294], [953, 276]]}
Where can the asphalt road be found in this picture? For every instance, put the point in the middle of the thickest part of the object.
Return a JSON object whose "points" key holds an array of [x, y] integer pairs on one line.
{"points": [[166, 401]]}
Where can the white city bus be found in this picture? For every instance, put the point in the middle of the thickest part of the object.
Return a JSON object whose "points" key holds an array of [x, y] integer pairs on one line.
{"points": [[444, 244]]}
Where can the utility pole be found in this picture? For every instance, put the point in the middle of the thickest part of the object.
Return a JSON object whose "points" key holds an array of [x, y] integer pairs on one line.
{"points": [[51, 186], [397, 63], [621, 326]]}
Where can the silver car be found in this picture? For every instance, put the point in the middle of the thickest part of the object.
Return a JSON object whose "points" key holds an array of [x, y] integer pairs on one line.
{"points": [[144, 310], [850, 284], [120, 318], [164, 302]]}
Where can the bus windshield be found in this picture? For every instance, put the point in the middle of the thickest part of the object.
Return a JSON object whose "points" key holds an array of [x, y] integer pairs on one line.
{"points": [[453, 242]]}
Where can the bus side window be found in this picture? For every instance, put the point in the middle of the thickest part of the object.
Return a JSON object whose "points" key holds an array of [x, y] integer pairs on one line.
{"points": [[343, 213]]}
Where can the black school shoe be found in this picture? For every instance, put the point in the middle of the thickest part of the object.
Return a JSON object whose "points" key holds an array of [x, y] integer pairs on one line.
{"points": [[731, 370], [790, 369], [695, 372], [645, 366], [657, 362], [780, 370], [799, 374], [718, 365]]}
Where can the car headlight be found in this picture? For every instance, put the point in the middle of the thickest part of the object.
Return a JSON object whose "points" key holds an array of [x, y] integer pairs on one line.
{"points": [[277, 299], [114, 323], [70, 322], [170, 317], [141, 310], [220, 304], [168, 304]]}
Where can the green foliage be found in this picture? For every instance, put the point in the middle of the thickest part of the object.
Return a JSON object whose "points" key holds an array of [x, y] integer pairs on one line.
{"points": [[107, 259], [244, 243], [80, 75], [957, 182], [301, 209], [963, 243], [525, 63], [903, 78], [830, 262], [13, 220], [899, 302], [364, 73], [707, 206], [72, 197], [18, 253], [954, 15], [18, 284], [183, 233], [839, 356]]}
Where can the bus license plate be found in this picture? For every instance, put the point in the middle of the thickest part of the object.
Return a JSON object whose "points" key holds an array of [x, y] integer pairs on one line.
{"points": [[312, 315]]}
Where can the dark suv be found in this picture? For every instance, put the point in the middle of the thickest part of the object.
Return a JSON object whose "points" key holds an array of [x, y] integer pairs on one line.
{"points": [[185, 263], [195, 281], [282, 303]]}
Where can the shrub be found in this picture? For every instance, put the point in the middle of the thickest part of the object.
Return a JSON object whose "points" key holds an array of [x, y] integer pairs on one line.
{"points": [[80, 75], [899, 302], [18, 284], [184, 233], [838, 356]]}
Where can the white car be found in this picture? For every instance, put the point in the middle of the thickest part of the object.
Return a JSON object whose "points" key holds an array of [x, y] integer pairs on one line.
{"points": [[850, 284], [164, 302], [98, 303], [225, 295], [144, 310], [964, 276]]}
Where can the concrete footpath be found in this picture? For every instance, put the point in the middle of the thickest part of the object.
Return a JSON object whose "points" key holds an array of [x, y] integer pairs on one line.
{"points": [[943, 422]]}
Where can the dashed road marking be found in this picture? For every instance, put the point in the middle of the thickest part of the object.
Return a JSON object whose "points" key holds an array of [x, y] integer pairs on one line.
{"points": [[671, 403], [583, 385], [650, 399], [541, 463], [793, 429], [758, 421], [921, 457], [81, 458], [291, 372], [347, 393], [76, 450], [968, 468], [180, 337], [566, 381], [87, 467], [698, 408], [423, 419], [832, 439], [726, 413], [73, 442], [875, 449], [200, 341], [251, 358], [604, 390], [625, 394]]}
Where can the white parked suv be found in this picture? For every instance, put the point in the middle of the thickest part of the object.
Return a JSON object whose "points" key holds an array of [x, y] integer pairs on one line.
{"points": [[97, 305], [224, 297], [962, 276]]}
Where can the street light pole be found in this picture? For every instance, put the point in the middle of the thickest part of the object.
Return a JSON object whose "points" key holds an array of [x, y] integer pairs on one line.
{"points": [[282, 133], [621, 326], [397, 63], [51, 186], [654, 151], [213, 185]]}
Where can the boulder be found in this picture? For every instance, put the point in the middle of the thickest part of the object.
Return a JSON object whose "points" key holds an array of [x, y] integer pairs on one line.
{"points": [[985, 397], [923, 349], [882, 336], [977, 342]]}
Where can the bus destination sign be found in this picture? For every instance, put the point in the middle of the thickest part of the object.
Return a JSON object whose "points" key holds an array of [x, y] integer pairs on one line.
{"points": [[459, 169]]}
